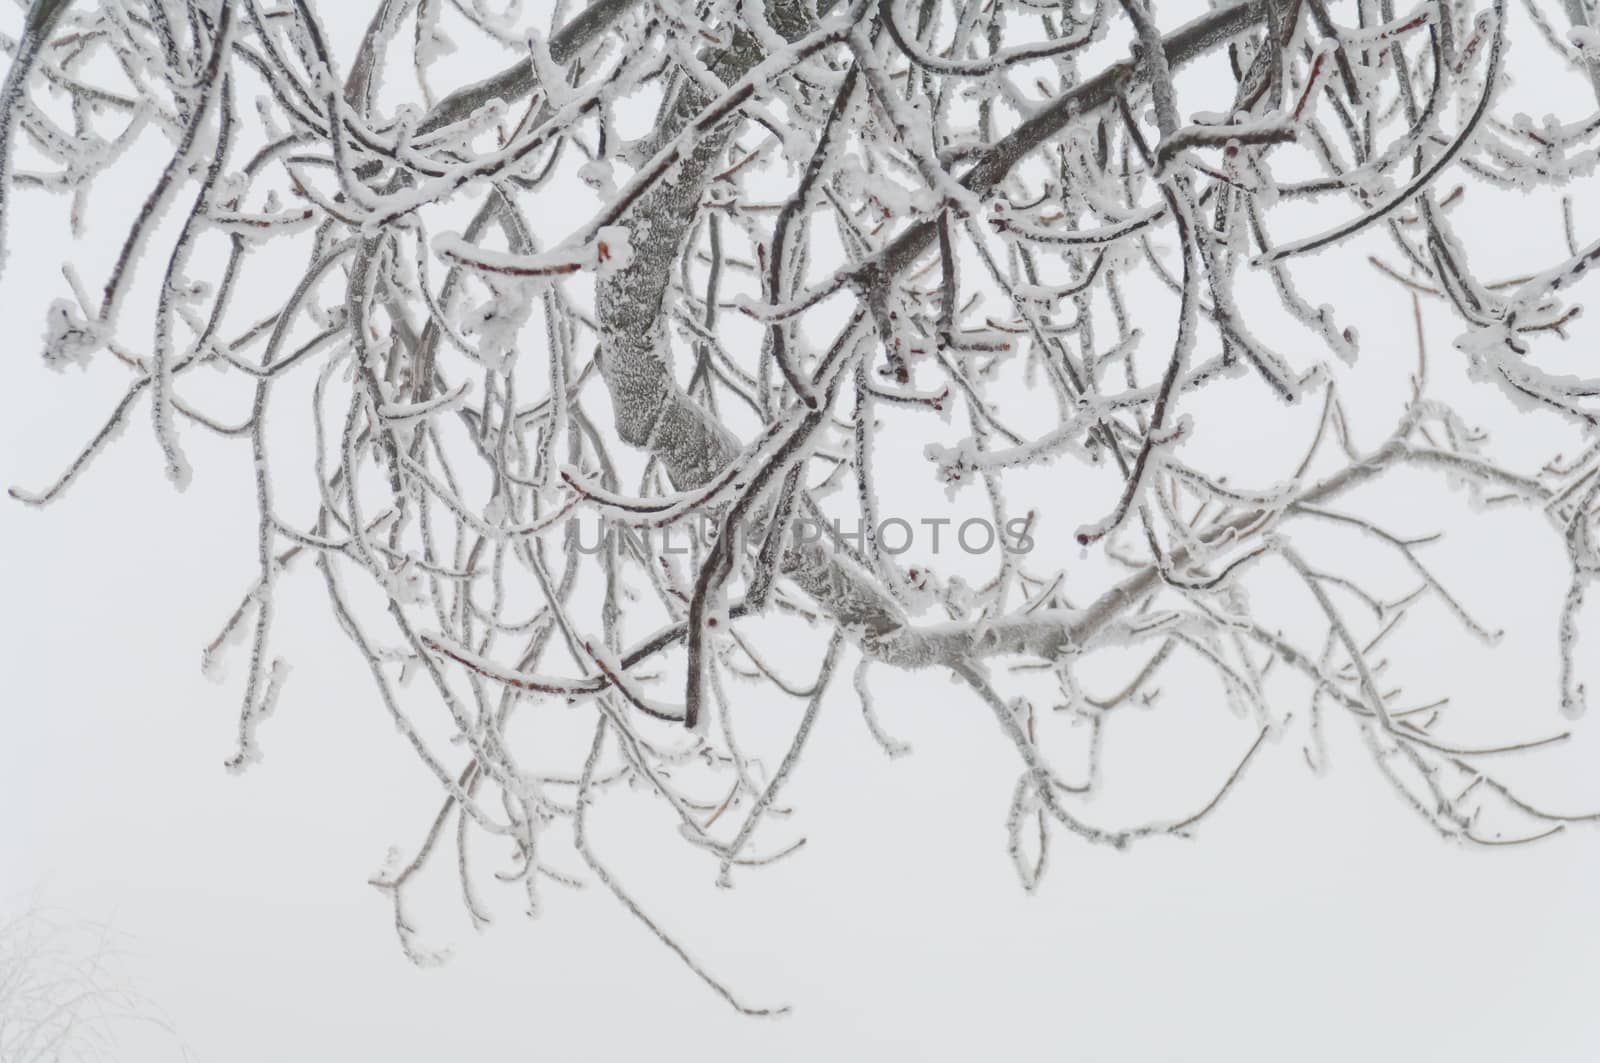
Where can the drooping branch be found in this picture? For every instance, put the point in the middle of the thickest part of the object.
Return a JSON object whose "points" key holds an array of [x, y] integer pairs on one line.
{"points": [[585, 458]]}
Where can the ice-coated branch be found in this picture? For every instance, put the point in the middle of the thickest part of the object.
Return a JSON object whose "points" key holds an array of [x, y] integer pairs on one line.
{"points": [[596, 388]]}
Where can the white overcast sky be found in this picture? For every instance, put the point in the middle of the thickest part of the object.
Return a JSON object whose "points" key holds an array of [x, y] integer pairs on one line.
{"points": [[1312, 919]]}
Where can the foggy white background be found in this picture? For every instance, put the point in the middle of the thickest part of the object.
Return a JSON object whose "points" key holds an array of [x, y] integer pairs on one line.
{"points": [[1311, 919]]}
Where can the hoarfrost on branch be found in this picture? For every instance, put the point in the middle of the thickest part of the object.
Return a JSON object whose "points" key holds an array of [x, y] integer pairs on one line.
{"points": [[715, 264]]}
